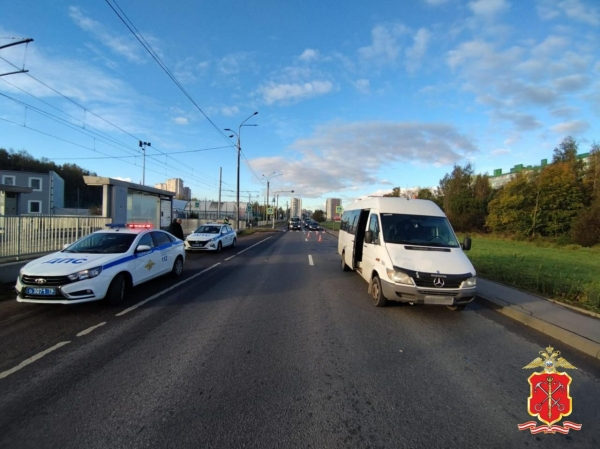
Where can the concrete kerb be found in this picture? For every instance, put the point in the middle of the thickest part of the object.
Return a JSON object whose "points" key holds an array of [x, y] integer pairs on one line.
{"points": [[567, 336]]}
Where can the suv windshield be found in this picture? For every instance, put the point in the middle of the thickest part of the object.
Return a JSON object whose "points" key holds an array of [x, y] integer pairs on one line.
{"points": [[418, 230], [103, 242]]}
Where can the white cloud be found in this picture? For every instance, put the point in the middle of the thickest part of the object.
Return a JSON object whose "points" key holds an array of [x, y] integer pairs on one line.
{"points": [[181, 120], [122, 179], [229, 111], [499, 152], [415, 54], [572, 127], [572, 83], [340, 156], [363, 85], [384, 46], [309, 55], [285, 92], [236, 63], [488, 8], [435, 2], [575, 9], [122, 45]]}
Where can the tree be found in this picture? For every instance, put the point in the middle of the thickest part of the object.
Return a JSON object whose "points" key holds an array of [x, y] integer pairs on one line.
{"points": [[318, 215], [396, 191], [566, 151], [513, 208], [586, 226], [464, 198]]}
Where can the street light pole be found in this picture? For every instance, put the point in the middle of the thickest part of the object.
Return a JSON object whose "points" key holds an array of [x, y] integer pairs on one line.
{"points": [[239, 150], [268, 178], [277, 206], [143, 146]]}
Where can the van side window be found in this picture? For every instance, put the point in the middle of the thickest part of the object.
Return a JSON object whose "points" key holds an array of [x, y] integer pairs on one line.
{"points": [[374, 227]]}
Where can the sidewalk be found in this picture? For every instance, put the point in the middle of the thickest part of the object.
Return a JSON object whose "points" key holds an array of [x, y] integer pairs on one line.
{"points": [[567, 324]]}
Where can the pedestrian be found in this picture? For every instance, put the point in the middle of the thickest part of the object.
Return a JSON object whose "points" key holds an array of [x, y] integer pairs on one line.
{"points": [[226, 220], [176, 228]]}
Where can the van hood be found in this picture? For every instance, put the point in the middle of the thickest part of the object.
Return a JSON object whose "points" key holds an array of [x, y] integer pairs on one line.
{"points": [[430, 259]]}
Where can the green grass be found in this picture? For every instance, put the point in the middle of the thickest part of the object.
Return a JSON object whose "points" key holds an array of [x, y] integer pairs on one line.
{"points": [[333, 225], [564, 273]]}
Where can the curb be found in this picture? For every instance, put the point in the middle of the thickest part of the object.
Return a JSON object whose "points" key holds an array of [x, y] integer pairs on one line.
{"points": [[578, 342]]}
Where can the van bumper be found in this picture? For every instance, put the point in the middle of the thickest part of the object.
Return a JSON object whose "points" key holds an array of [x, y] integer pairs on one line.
{"points": [[437, 296]]}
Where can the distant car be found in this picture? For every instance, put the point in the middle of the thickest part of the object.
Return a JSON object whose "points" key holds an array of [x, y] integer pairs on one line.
{"points": [[314, 226], [211, 237], [307, 223], [101, 265], [295, 223]]}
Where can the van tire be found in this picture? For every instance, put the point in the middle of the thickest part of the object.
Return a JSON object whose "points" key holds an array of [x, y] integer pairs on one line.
{"points": [[344, 266], [116, 290], [457, 308], [377, 293]]}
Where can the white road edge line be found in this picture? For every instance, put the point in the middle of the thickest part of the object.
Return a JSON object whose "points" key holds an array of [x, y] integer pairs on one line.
{"points": [[230, 257], [310, 261], [90, 329], [141, 303], [38, 356], [252, 246]]}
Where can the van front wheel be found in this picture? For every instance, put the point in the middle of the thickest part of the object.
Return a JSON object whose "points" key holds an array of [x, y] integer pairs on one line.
{"points": [[344, 266], [377, 293]]}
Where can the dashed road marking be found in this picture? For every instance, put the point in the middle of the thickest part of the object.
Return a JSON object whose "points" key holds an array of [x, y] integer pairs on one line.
{"points": [[141, 303], [310, 260], [253, 246], [230, 257], [38, 356], [90, 329]]}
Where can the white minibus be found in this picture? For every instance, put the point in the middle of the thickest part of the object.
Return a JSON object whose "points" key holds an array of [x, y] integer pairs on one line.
{"points": [[407, 251]]}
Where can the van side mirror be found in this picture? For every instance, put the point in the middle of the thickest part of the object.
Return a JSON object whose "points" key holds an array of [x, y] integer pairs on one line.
{"points": [[466, 244], [369, 237]]}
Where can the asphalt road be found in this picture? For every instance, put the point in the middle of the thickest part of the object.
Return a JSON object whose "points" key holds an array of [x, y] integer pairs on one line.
{"points": [[273, 348]]}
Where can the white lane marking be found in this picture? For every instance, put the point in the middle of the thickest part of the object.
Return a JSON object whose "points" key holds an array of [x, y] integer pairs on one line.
{"points": [[310, 261], [38, 356], [230, 257], [253, 246], [90, 329], [141, 303]]}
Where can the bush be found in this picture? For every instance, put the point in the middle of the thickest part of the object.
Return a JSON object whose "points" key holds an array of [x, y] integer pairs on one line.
{"points": [[586, 227]]}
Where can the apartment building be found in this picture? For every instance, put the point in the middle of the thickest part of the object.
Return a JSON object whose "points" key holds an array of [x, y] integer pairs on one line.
{"points": [[176, 185], [330, 206], [296, 207]]}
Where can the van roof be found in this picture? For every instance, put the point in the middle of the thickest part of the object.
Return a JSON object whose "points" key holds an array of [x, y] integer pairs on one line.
{"points": [[397, 205]]}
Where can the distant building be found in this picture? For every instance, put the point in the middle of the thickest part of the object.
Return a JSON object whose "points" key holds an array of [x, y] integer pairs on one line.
{"points": [[296, 207], [330, 206], [24, 192], [176, 185], [499, 179]]}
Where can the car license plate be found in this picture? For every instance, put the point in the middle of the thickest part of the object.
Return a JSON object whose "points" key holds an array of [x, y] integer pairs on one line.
{"points": [[441, 300], [40, 291]]}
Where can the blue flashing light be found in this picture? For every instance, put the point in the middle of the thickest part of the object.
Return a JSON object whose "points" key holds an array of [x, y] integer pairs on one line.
{"points": [[115, 225]]}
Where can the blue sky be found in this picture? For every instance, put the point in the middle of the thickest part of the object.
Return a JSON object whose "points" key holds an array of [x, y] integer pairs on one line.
{"points": [[353, 97]]}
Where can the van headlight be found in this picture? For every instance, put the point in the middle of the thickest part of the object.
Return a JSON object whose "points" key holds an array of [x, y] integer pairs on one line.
{"points": [[399, 277], [471, 282], [85, 274]]}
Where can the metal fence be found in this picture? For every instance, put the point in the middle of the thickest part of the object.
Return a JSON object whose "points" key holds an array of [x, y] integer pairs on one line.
{"points": [[28, 235]]}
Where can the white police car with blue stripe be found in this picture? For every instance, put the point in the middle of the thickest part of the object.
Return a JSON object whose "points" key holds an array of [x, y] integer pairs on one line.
{"points": [[101, 265]]}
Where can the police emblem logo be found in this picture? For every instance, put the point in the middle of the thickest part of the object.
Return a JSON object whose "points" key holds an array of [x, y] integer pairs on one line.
{"points": [[549, 399]]}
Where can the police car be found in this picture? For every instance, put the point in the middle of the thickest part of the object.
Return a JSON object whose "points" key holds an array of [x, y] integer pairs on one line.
{"points": [[211, 237], [101, 265]]}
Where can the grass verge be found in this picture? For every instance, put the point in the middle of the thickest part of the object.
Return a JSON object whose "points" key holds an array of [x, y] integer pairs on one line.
{"points": [[565, 273]]}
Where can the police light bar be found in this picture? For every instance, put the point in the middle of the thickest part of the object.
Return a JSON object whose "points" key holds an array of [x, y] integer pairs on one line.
{"points": [[115, 225], [139, 225]]}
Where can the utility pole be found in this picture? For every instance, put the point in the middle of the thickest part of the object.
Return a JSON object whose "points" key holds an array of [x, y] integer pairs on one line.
{"points": [[268, 202], [143, 146], [219, 205]]}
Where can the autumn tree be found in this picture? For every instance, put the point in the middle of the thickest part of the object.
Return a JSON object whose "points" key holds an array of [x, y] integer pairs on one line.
{"points": [[464, 198], [318, 215], [512, 210], [396, 191]]}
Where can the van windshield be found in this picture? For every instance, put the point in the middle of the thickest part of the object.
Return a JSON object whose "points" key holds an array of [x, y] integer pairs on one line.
{"points": [[418, 230]]}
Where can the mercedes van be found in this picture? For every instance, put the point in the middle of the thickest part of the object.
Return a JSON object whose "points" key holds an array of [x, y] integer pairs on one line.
{"points": [[407, 251]]}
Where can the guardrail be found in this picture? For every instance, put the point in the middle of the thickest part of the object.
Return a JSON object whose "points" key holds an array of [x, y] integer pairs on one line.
{"points": [[27, 235]]}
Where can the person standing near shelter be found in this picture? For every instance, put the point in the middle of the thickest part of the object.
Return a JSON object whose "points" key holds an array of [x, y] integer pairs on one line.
{"points": [[176, 228], [226, 220]]}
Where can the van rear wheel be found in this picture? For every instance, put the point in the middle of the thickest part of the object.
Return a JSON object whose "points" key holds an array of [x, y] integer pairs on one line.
{"points": [[457, 308], [377, 293]]}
